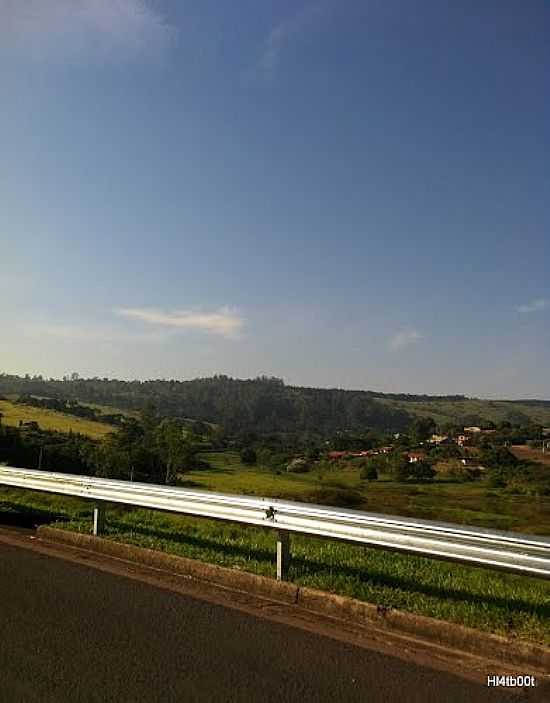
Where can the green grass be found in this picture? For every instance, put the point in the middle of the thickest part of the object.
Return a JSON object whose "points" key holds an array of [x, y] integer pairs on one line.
{"points": [[471, 503], [52, 420], [444, 411], [477, 598], [111, 410], [484, 599], [32, 507], [228, 475]]}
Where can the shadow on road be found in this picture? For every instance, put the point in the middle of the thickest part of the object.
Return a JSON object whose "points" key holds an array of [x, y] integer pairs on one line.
{"points": [[301, 567], [14, 515]]}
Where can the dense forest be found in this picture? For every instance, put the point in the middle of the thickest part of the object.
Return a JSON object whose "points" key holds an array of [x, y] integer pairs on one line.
{"points": [[149, 449], [260, 405]]}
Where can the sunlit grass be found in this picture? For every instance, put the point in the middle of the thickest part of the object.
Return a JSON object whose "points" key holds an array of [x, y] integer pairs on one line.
{"points": [[443, 411], [491, 601], [47, 419], [452, 501], [479, 598]]}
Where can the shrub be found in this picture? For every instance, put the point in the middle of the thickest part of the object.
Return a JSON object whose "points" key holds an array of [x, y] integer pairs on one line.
{"points": [[421, 471], [337, 497], [400, 468], [461, 473], [496, 480], [248, 456], [448, 451], [313, 454], [413, 471], [369, 472]]}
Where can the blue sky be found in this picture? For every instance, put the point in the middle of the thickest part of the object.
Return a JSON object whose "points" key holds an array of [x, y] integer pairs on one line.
{"points": [[351, 194]]}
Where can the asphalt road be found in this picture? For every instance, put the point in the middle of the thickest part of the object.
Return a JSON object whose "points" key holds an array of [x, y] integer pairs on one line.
{"points": [[72, 633]]}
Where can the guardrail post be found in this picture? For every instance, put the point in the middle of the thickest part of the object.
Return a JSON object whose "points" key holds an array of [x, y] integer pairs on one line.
{"points": [[283, 554], [99, 519]]}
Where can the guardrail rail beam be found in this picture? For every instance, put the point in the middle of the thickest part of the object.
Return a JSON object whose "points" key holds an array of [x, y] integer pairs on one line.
{"points": [[475, 546]]}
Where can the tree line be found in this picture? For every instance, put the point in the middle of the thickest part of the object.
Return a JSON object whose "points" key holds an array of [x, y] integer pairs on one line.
{"points": [[263, 404], [71, 407], [153, 449]]}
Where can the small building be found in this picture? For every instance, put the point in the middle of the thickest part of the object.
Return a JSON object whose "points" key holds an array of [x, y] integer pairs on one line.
{"points": [[438, 439], [472, 430], [463, 439], [334, 456], [416, 456], [469, 462]]}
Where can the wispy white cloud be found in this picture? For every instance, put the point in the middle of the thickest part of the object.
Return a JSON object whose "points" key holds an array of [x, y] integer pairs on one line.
{"points": [[81, 30], [405, 338], [282, 34], [160, 326], [226, 322], [534, 305]]}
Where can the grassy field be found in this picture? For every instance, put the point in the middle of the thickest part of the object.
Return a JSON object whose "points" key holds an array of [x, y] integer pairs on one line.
{"points": [[111, 410], [52, 420], [471, 503], [445, 411], [479, 598]]}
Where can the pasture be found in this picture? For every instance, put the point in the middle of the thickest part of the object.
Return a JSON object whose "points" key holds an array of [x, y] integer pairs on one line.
{"points": [[472, 502], [453, 411], [13, 413]]}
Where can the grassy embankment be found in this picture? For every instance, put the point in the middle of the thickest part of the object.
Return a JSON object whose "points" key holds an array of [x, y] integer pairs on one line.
{"points": [[478, 598], [445, 411], [12, 413]]}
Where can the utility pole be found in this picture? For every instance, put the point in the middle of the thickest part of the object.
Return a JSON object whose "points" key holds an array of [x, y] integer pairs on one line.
{"points": [[40, 458]]}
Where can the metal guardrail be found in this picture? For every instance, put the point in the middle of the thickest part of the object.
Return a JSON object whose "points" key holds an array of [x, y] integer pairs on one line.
{"points": [[495, 549]]}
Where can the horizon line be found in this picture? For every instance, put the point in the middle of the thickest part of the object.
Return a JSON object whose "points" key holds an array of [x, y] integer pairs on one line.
{"points": [[452, 397]]}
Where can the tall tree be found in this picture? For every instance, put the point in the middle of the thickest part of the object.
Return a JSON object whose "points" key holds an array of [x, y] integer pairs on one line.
{"points": [[175, 451]]}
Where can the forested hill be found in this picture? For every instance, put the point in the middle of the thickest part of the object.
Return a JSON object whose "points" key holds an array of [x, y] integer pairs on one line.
{"points": [[268, 405], [261, 405]]}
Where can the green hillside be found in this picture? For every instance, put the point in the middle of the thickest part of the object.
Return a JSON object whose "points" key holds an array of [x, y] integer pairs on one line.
{"points": [[472, 410], [13, 413], [267, 405]]}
